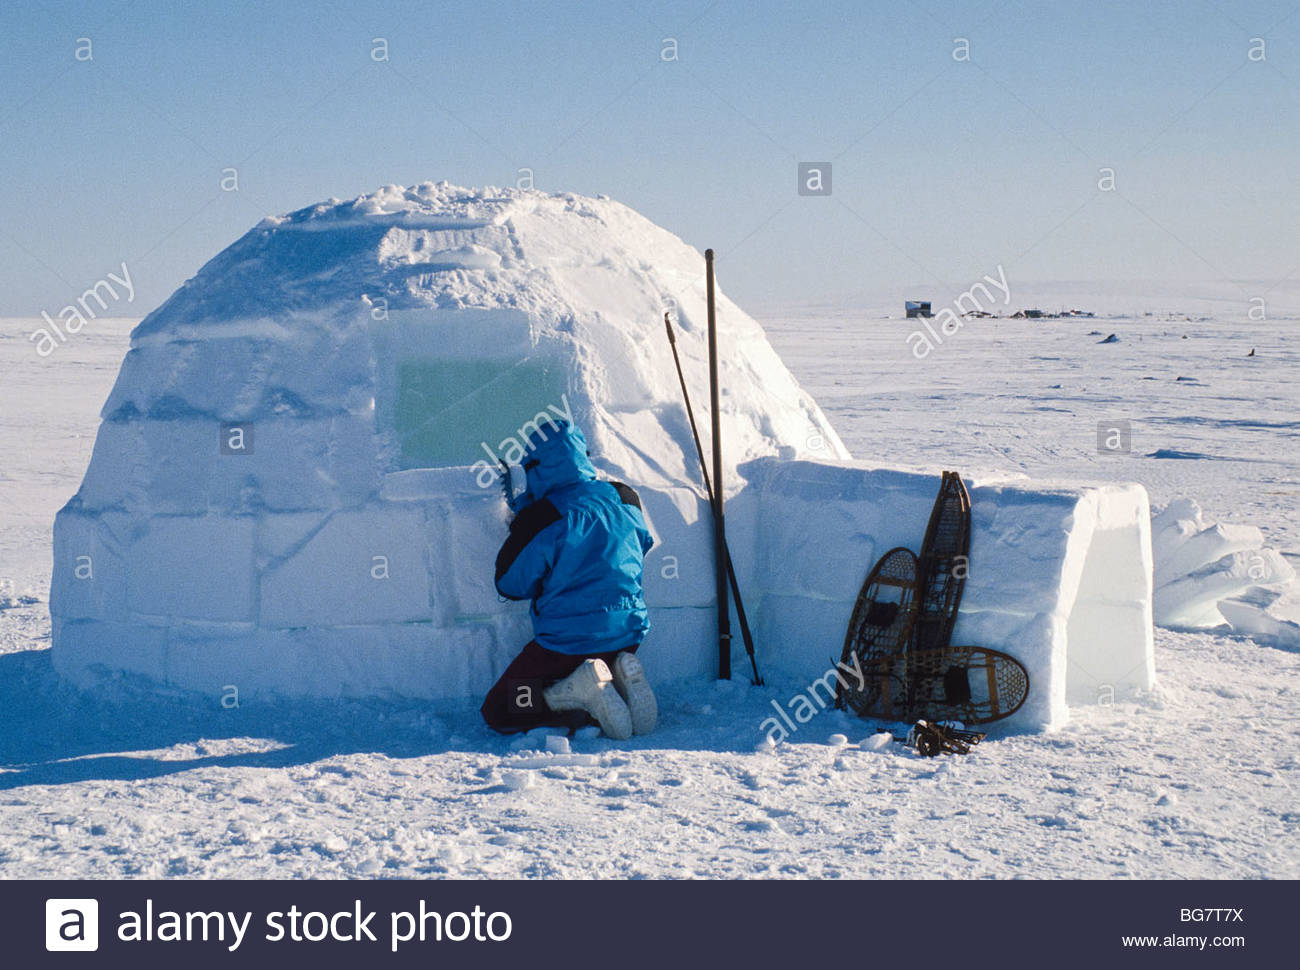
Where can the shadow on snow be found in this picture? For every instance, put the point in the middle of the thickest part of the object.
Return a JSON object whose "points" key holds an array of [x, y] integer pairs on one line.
{"points": [[128, 729]]}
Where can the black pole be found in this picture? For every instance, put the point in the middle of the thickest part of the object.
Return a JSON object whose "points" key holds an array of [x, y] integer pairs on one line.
{"points": [[708, 491], [719, 498]]}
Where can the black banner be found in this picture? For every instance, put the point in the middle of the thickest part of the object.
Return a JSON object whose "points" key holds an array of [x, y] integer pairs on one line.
{"points": [[645, 924]]}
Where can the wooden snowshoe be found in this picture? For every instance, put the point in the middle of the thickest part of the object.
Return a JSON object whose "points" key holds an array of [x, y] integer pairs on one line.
{"points": [[879, 630], [902, 625]]}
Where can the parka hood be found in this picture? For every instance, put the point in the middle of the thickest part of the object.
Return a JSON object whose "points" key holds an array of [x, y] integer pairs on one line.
{"points": [[556, 456]]}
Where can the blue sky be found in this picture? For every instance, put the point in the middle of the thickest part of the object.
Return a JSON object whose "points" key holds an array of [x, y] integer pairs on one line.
{"points": [[942, 169]]}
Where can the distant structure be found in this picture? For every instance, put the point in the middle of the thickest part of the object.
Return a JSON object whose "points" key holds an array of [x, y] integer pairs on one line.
{"points": [[918, 308], [1044, 315]]}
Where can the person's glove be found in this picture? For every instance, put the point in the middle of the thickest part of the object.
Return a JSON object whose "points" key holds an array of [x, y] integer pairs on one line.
{"points": [[513, 502]]}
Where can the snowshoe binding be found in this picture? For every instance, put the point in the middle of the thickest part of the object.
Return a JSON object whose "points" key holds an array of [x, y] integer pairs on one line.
{"points": [[931, 739]]}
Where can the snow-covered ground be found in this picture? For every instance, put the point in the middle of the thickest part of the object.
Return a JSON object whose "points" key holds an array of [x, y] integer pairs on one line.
{"points": [[1196, 779]]}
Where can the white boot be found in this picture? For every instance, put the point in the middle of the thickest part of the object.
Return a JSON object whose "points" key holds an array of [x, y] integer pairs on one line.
{"points": [[631, 684], [590, 688]]}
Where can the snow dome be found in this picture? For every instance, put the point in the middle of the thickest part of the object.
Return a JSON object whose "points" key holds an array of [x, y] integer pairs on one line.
{"points": [[294, 485]]}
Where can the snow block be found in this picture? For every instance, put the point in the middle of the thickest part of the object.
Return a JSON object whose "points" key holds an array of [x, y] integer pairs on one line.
{"points": [[1059, 576], [682, 644], [89, 579], [836, 515], [119, 470], [818, 626], [465, 555], [360, 567], [453, 667], [193, 567], [356, 662], [1111, 640], [1193, 601], [679, 569], [464, 526], [244, 369], [1205, 546], [178, 466], [1254, 620], [1205, 573], [91, 649]]}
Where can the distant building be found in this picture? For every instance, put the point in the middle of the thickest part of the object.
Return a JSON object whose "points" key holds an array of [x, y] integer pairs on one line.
{"points": [[1033, 314], [918, 308]]}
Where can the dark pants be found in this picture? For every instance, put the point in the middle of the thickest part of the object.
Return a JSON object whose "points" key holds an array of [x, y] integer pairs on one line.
{"points": [[515, 702]]}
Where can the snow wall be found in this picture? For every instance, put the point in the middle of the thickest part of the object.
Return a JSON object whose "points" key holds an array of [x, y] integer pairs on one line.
{"points": [[293, 489]]}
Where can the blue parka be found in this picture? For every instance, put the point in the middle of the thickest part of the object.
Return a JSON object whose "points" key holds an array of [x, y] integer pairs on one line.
{"points": [[575, 549]]}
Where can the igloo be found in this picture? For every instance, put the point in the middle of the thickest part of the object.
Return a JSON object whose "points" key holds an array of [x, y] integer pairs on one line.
{"points": [[294, 485]]}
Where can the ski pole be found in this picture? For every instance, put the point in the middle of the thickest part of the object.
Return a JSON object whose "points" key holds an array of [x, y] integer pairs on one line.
{"points": [[708, 488], [719, 496]]}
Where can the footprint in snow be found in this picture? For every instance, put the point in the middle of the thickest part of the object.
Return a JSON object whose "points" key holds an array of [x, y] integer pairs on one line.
{"points": [[1053, 822]]}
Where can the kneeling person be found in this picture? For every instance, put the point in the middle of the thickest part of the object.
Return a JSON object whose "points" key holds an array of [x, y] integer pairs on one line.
{"points": [[576, 548]]}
